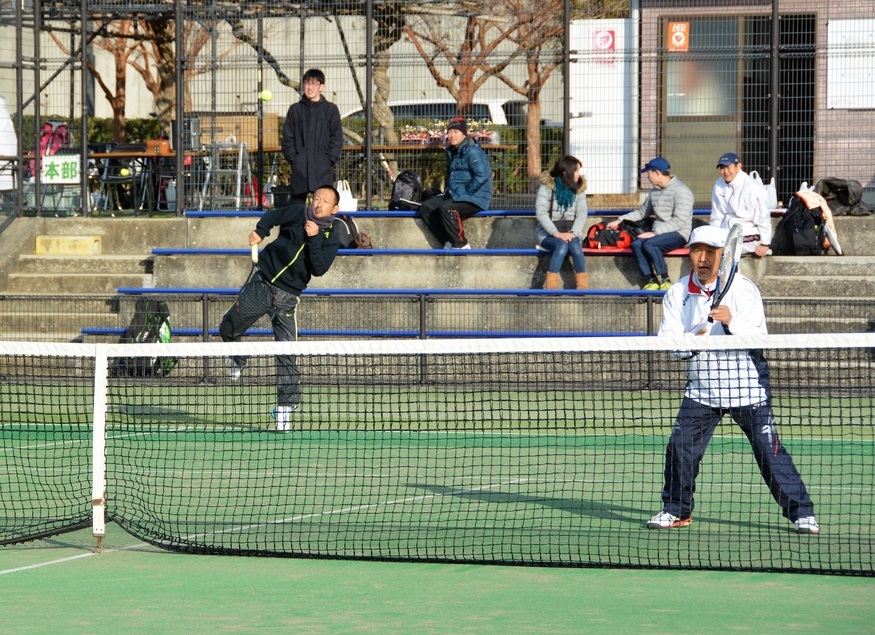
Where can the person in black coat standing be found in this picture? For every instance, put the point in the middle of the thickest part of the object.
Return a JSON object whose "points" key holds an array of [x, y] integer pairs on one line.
{"points": [[312, 137]]}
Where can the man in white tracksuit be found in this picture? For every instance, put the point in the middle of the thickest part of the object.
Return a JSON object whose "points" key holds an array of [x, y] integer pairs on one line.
{"points": [[734, 382], [737, 198]]}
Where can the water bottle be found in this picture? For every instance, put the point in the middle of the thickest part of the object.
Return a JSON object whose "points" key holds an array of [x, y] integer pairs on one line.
{"points": [[170, 193]]}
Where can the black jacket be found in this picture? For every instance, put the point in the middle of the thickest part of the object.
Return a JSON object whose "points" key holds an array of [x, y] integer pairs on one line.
{"points": [[312, 141], [290, 260]]}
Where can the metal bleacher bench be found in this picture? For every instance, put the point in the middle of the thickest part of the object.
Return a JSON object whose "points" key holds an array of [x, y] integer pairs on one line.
{"points": [[403, 251], [649, 296], [382, 213]]}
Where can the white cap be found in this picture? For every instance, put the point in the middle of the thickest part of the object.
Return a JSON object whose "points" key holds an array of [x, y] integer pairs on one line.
{"points": [[708, 235]]}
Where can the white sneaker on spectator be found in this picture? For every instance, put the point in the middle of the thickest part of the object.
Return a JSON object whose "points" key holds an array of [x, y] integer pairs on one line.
{"points": [[807, 525], [283, 416], [465, 246]]}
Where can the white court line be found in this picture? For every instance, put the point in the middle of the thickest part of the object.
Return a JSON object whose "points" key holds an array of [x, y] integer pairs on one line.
{"points": [[280, 521], [71, 558]]}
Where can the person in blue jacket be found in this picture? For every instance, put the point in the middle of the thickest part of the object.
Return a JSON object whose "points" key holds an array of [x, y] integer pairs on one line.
{"points": [[469, 188]]}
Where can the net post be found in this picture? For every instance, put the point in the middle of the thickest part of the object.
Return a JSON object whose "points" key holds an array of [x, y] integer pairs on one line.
{"points": [[98, 449]]}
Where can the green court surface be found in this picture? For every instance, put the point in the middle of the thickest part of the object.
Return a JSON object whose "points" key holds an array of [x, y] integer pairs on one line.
{"points": [[59, 585]]}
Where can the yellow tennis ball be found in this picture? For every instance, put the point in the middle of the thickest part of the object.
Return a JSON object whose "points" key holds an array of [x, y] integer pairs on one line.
{"points": [[124, 172], [266, 95]]}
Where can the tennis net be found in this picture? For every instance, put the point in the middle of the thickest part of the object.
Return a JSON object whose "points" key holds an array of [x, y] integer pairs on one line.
{"points": [[547, 451]]}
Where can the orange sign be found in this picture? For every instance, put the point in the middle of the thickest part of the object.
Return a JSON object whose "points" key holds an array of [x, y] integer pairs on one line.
{"points": [[678, 37]]}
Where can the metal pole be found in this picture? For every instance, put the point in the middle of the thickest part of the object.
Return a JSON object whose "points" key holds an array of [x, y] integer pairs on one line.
{"points": [[19, 114], [369, 98], [37, 110], [775, 92], [258, 186], [566, 71], [85, 195], [179, 107]]}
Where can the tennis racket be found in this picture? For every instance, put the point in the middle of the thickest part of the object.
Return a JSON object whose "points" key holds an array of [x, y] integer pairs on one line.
{"points": [[729, 260], [253, 267], [833, 240]]}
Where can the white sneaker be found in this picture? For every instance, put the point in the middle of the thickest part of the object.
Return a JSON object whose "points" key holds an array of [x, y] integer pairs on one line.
{"points": [[465, 246], [236, 371], [807, 525], [283, 416], [664, 520]]}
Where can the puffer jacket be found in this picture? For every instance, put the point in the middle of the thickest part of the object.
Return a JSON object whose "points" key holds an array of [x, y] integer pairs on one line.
{"points": [[469, 174], [548, 213]]}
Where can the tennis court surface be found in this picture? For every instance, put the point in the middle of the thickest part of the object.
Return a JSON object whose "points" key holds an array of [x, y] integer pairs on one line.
{"points": [[524, 452]]}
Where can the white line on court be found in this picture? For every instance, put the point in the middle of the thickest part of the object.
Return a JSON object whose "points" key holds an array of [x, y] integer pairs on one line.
{"points": [[279, 521]]}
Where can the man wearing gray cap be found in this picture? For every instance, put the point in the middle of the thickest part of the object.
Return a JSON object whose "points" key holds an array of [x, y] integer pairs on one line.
{"points": [[737, 198], [668, 215], [720, 382]]}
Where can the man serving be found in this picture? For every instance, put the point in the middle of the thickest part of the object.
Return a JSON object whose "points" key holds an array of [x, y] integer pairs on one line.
{"points": [[306, 246]]}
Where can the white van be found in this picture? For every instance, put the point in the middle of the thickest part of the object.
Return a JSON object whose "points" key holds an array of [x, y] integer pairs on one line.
{"points": [[490, 110]]}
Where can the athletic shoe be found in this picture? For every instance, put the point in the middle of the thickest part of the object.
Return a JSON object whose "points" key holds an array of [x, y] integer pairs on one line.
{"points": [[664, 520], [665, 286], [282, 414], [236, 370], [653, 285], [807, 525], [465, 246], [448, 245]]}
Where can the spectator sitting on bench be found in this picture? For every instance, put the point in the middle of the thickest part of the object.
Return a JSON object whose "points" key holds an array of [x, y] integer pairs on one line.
{"points": [[669, 207], [469, 188], [560, 208], [737, 198]]}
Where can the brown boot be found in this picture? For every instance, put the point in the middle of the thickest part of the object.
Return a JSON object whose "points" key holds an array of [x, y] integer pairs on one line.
{"points": [[581, 280], [553, 281]]}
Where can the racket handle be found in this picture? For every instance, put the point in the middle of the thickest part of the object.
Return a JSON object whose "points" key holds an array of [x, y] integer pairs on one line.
{"points": [[254, 254]]}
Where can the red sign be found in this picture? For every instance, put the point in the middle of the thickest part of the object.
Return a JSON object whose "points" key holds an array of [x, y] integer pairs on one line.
{"points": [[604, 41], [678, 37]]}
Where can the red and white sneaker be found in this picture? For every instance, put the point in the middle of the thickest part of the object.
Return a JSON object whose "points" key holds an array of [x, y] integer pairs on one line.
{"points": [[664, 520]]}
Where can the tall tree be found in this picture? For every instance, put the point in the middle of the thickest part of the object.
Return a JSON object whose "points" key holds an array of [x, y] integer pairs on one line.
{"points": [[463, 53]]}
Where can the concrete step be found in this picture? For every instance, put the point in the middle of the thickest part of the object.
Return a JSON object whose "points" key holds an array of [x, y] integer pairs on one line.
{"points": [[134, 264], [814, 324], [45, 323], [121, 235], [74, 283], [831, 266], [413, 272], [817, 286]]}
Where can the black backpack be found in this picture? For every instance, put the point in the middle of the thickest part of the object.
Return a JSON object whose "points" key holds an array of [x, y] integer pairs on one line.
{"points": [[406, 191], [799, 232], [151, 323]]}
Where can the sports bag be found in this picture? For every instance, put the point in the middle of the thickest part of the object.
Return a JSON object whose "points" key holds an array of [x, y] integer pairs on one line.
{"points": [[600, 237], [406, 191], [799, 232], [151, 323], [350, 235]]}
